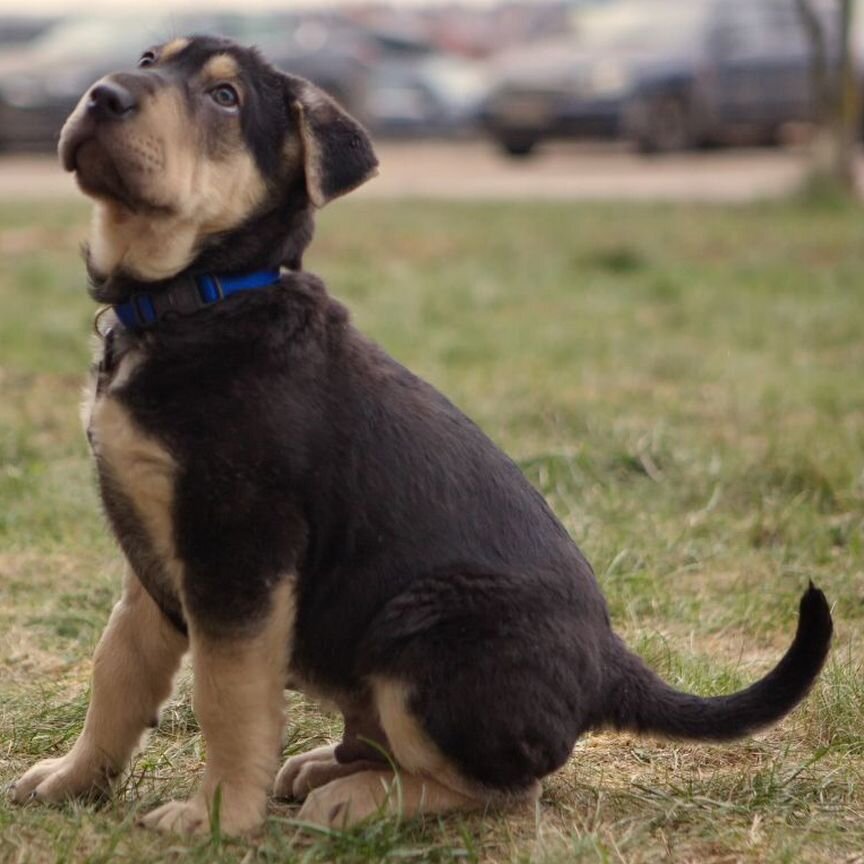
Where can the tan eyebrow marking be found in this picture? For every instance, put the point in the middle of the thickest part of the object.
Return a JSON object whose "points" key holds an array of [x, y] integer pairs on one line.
{"points": [[221, 67], [173, 48]]}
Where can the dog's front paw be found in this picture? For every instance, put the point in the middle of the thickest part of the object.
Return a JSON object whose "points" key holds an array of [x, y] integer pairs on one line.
{"points": [[54, 780], [237, 815]]}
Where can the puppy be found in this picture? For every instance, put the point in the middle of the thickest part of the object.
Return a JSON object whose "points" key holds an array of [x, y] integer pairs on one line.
{"points": [[298, 510]]}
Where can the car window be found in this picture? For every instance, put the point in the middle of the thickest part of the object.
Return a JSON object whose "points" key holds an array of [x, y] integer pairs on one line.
{"points": [[753, 28], [634, 24]]}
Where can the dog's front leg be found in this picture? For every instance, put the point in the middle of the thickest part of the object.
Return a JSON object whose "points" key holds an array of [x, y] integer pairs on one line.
{"points": [[133, 668], [238, 698]]}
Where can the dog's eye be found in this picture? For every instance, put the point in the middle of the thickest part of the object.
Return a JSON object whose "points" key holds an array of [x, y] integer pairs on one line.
{"points": [[225, 96], [148, 58]]}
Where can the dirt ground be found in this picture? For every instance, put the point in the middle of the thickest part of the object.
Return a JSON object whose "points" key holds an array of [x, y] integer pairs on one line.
{"points": [[473, 169]]}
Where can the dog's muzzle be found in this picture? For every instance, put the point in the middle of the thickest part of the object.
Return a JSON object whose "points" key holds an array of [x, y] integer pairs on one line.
{"points": [[108, 102]]}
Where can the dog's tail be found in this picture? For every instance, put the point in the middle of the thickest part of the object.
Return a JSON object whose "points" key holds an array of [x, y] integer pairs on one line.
{"points": [[639, 701]]}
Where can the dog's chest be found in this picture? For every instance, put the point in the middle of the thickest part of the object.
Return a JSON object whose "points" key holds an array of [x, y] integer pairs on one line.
{"points": [[137, 478]]}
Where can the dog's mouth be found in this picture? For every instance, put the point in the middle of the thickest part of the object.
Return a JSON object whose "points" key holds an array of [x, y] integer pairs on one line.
{"points": [[84, 151], [71, 141], [97, 173]]}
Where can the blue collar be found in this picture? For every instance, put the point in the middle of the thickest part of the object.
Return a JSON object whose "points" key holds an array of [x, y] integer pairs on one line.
{"points": [[186, 295]]}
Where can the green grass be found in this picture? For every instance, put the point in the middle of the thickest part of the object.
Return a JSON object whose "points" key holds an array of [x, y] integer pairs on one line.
{"points": [[685, 384]]}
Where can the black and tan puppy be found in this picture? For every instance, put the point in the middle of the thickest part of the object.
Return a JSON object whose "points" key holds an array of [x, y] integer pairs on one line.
{"points": [[299, 510]]}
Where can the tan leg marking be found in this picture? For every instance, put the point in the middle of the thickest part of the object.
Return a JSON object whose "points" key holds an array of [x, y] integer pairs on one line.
{"points": [[350, 800], [145, 472], [427, 782], [135, 663], [238, 698], [412, 749]]}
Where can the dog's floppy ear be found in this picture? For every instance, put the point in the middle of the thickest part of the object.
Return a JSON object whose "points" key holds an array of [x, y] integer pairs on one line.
{"points": [[337, 153]]}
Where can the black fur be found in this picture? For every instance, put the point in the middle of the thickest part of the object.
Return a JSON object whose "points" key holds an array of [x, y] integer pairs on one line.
{"points": [[421, 552], [640, 701]]}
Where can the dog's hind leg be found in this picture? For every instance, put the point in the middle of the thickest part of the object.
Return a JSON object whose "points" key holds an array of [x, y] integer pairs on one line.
{"points": [[133, 669], [364, 747], [345, 802], [294, 766], [425, 781], [298, 778], [238, 696]]}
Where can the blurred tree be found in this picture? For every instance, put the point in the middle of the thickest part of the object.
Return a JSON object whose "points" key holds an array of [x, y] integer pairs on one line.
{"points": [[836, 92]]}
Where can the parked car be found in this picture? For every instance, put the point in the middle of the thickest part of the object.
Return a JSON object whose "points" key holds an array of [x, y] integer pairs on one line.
{"points": [[545, 90], [435, 94], [667, 74], [750, 76]]}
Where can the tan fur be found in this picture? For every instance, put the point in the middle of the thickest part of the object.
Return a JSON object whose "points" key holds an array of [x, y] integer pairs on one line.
{"points": [[134, 665], [410, 745], [307, 771], [126, 368], [292, 152], [145, 473], [160, 247], [88, 395], [349, 800], [105, 320], [425, 781], [221, 67], [238, 699], [121, 239], [196, 194], [314, 775], [288, 773], [173, 48]]}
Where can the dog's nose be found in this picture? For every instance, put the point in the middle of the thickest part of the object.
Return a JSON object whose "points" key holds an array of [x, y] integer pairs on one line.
{"points": [[111, 101]]}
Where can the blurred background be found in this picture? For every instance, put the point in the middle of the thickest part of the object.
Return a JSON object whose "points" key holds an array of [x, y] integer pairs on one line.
{"points": [[561, 98]]}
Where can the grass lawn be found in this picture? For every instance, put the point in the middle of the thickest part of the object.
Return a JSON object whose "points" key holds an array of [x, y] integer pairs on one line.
{"points": [[685, 384]]}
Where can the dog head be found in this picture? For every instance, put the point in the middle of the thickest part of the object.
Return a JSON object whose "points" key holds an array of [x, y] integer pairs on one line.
{"points": [[202, 147]]}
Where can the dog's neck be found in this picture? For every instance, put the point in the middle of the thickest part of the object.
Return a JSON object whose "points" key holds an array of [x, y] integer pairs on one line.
{"points": [[120, 286], [278, 238]]}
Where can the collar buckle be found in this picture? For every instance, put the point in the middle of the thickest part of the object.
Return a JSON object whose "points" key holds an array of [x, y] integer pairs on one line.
{"points": [[183, 298]]}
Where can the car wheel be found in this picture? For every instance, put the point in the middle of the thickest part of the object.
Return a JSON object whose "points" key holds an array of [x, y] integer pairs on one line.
{"points": [[772, 136], [668, 127], [518, 146]]}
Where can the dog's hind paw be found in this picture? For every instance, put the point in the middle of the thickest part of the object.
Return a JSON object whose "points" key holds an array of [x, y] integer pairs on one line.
{"points": [[344, 802], [178, 817], [289, 785]]}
